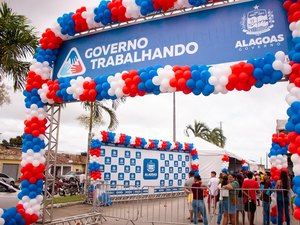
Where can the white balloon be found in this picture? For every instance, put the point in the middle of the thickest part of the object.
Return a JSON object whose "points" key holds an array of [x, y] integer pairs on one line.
{"points": [[277, 65], [296, 169], [292, 26], [213, 80], [2, 221], [280, 55], [287, 69]]}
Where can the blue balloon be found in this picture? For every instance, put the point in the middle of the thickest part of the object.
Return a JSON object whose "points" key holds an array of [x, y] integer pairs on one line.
{"points": [[296, 181]]}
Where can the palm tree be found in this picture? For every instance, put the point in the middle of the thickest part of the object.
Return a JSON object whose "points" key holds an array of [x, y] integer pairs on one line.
{"points": [[18, 42], [201, 130], [96, 115], [198, 129], [217, 137]]}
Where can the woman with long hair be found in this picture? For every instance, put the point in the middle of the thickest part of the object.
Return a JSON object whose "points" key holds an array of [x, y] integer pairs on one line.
{"points": [[230, 202], [282, 188], [222, 194]]}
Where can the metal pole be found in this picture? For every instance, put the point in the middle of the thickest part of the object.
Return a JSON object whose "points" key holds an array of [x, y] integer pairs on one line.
{"points": [[87, 177], [174, 117]]}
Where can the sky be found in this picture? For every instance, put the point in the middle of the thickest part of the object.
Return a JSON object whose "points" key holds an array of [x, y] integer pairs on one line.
{"points": [[248, 118]]}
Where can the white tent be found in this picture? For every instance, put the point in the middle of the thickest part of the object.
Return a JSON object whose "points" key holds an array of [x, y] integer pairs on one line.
{"points": [[210, 156]]}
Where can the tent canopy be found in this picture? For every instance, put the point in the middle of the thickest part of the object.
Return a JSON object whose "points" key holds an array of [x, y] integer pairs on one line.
{"points": [[210, 157]]}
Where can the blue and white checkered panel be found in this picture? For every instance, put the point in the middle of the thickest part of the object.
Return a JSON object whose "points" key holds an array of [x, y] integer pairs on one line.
{"points": [[125, 166]]}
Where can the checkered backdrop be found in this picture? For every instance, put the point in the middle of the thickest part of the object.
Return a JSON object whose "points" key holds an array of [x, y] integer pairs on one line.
{"points": [[141, 167]]}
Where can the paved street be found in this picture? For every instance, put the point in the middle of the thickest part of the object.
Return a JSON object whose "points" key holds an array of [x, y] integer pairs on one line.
{"points": [[158, 211]]}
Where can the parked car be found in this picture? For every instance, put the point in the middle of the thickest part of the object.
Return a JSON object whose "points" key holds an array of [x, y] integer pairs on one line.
{"points": [[71, 176], [8, 195], [7, 179]]}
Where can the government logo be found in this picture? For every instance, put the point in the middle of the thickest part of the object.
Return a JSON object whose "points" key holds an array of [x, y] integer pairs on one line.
{"points": [[257, 21]]}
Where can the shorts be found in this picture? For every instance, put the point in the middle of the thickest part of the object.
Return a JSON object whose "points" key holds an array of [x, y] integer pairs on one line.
{"points": [[229, 207], [250, 206]]}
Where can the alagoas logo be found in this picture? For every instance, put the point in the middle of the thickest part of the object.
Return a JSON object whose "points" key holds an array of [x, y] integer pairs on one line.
{"points": [[258, 22], [72, 66]]}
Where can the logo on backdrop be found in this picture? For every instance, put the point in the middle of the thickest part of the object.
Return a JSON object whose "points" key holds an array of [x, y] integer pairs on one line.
{"points": [[258, 22], [150, 169], [73, 65]]}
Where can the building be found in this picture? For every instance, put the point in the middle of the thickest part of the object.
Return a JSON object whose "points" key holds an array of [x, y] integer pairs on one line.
{"points": [[10, 160]]}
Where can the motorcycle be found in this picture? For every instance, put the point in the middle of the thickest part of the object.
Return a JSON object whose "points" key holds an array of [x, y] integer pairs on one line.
{"points": [[66, 188]]}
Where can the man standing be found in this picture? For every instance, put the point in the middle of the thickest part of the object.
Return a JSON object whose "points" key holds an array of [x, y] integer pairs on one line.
{"points": [[250, 189], [265, 197], [213, 190], [188, 184]]}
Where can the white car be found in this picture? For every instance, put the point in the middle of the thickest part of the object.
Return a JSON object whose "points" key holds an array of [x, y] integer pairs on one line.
{"points": [[7, 179], [8, 195]]}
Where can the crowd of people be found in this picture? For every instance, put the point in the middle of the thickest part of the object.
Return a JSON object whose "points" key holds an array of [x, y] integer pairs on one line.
{"points": [[237, 194]]}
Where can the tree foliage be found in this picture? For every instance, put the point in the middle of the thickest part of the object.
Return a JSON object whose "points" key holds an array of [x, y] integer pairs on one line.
{"points": [[18, 42], [13, 142], [98, 111], [201, 130]]}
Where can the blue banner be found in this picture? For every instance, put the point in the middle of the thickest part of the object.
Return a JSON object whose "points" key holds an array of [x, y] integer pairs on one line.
{"points": [[226, 34]]}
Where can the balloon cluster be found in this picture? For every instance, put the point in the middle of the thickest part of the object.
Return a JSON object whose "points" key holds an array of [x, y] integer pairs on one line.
{"points": [[33, 80], [163, 4], [154, 80], [179, 81], [67, 24], [182, 4], [47, 55], [94, 161], [117, 11], [293, 98], [132, 9], [245, 166], [11, 216], [146, 83], [164, 75], [80, 22], [267, 70], [225, 163], [137, 142], [131, 81], [102, 13], [278, 161], [278, 154], [49, 40], [48, 92], [146, 6], [219, 78], [241, 78]]}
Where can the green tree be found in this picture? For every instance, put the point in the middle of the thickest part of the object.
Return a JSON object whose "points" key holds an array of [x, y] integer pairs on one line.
{"points": [[15, 142], [97, 110], [198, 129], [217, 137], [18, 42], [201, 130], [5, 143]]}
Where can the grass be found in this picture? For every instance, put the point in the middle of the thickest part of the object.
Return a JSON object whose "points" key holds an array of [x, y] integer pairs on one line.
{"points": [[66, 199]]}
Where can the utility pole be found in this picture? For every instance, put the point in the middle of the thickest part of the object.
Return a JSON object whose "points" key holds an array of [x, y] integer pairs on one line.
{"points": [[221, 125]]}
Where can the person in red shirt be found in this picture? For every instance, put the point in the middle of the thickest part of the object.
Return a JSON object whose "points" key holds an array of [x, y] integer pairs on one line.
{"points": [[198, 203], [250, 196]]}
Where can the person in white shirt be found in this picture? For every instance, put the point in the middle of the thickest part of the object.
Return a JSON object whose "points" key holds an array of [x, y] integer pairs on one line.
{"points": [[213, 190]]}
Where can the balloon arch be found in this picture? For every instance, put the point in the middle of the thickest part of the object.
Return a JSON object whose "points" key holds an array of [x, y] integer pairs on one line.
{"points": [[42, 91]]}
